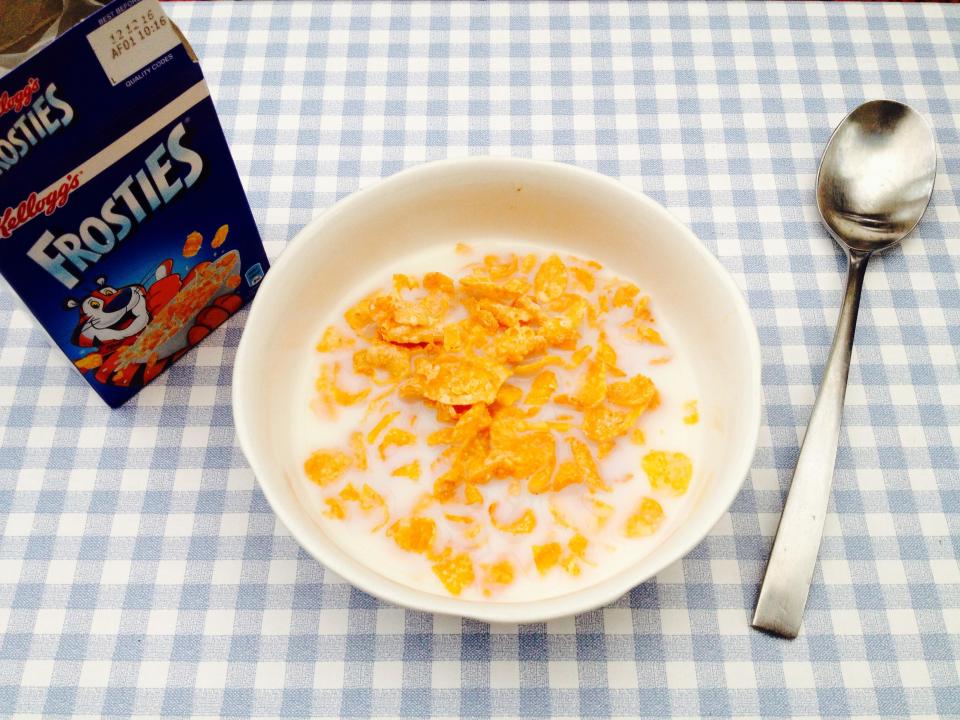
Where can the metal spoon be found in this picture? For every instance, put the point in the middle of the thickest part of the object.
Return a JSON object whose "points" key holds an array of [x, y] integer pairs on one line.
{"points": [[874, 183]]}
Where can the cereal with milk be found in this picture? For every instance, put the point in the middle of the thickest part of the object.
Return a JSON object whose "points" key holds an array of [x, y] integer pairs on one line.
{"points": [[505, 424]]}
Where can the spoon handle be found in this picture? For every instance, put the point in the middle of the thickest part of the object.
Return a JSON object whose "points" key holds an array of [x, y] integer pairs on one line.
{"points": [[783, 594]]}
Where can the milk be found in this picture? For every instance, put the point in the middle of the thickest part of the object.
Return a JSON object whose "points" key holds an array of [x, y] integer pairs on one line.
{"points": [[609, 551]]}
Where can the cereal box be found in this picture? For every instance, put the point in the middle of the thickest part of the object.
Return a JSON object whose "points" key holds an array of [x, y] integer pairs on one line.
{"points": [[123, 224]]}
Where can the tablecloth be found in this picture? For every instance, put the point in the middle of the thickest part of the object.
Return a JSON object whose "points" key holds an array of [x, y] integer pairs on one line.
{"points": [[142, 571]]}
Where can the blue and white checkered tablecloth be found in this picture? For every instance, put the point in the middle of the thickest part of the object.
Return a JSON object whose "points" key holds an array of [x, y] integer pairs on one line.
{"points": [[142, 572]]}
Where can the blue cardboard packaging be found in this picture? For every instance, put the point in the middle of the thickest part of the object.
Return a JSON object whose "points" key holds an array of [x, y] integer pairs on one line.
{"points": [[124, 228]]}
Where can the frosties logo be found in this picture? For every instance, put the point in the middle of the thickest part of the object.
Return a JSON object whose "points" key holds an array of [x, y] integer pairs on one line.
{"points": [[39, 114]]}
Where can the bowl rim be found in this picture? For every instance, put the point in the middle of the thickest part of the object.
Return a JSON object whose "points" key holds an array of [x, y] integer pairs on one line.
{"points": [[579, 601]]}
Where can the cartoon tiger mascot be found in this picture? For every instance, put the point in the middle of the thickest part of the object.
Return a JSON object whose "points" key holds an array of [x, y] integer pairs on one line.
{"points": [[112, 318]]}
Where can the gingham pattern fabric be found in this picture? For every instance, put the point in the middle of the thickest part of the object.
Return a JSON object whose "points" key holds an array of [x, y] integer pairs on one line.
{"points": [[142, 571]]}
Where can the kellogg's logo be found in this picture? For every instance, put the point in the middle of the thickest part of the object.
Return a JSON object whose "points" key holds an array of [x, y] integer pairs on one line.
{"points": [[20, 99], [33, 205]]}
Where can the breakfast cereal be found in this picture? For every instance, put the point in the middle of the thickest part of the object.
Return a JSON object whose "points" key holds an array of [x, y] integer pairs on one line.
{"points": [[501, 423]]}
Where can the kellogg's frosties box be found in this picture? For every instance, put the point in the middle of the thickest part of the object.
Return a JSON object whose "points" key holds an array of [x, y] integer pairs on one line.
{"points": [[123, 224]]}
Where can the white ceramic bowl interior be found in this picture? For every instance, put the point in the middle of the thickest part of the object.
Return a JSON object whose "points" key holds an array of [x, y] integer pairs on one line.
{"points": [[471, 201]]}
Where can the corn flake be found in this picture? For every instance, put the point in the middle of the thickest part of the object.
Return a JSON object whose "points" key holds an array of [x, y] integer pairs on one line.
{"points": [[438, 282], [366, 497], [641, 311], [463, 519], [330, 392], [546, 556], [584, 278], [515, 452], [455, 573], [500, 573], [507, 395], [90, 361], [645, 519], [639, 392], [504, 315], [398, 437], [593, 390], [568, 473], [220, 237], [393, 360], [359, 450], [648, 335], [410, 321], [586, 464], [410, 470], [403, 282], [603, 424], [608, 356], [560, 332], [542, 388], [360, 315], [515, 343], [498, 269], [473, 496], [531, 368], [479, 287], [550, 282], [523, 525], [570, 564], [624, 295], [326, 466], [579, 356], [470, 423], [455, 380], [578, 545], [334, 509], [192, 244], [378, 428], [670, 472], [469, 467], [414, 535]]}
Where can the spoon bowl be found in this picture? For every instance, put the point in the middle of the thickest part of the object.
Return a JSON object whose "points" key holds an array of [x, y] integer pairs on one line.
{"points": [[876, 175]]}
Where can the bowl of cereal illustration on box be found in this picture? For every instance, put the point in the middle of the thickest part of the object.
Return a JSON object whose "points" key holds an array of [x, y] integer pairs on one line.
{"points": [[502, 389], [135, 330]]}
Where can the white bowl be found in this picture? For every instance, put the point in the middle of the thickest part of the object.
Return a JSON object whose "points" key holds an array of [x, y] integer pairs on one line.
{"points": [[535, 202]]}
